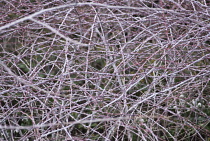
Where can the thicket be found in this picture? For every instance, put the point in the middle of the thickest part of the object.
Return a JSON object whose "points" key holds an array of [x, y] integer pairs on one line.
{"points": [[105, 70]]}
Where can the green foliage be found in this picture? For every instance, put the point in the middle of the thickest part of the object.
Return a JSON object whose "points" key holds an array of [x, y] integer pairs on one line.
{"points": [[23, 67], [99, 63]]}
